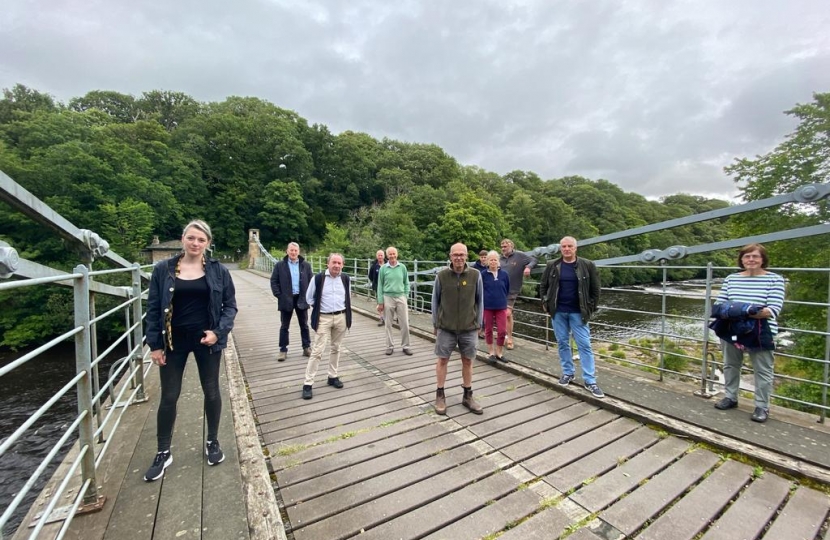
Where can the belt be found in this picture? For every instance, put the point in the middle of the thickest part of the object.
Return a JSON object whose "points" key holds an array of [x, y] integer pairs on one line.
{"points": [[335, 312]]}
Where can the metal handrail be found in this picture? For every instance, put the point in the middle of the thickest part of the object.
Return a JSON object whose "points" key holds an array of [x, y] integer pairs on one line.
{"points": [[526, 328]]}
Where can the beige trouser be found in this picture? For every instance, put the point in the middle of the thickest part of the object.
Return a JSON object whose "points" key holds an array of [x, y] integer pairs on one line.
{"points": [[393, 305], [330, 328]]}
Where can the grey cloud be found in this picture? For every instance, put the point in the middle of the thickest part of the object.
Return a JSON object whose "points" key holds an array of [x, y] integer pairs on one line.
{"points": [[655, 97]]}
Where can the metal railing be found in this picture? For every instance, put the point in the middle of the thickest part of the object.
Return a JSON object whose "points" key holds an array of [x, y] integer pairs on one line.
{"points": [[100, 404], [679, 345]]}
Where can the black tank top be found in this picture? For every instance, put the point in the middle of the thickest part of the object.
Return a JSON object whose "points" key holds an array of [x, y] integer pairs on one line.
{"points": [[190, 303]]}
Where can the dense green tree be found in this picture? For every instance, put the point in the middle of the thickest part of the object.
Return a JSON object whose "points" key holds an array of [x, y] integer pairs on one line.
{"points": [[284, 211]]}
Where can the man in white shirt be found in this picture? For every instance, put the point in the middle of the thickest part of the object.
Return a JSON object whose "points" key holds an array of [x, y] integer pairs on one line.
{"points": [[331, 316]]}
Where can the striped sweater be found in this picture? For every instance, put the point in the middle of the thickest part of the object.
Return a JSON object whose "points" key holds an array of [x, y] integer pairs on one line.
{"points": [[766, 289]]}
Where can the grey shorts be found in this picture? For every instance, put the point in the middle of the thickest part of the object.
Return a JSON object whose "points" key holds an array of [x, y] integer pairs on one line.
{"points": [[446, 342], [511, 300]]}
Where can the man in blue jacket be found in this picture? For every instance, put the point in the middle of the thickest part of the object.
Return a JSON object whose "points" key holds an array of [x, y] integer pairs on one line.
{"points": [[289, 283]]}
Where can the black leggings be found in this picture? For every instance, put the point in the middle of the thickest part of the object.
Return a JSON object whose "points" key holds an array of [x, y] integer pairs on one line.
{"points": [[186, 341]]}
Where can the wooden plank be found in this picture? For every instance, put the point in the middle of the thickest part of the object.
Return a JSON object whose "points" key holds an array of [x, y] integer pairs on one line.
{"points": [[303, 454], [493, 424], [446, 510], [584, 534], [686, 519], [540, 442], [224, 516], [752, 512], [179, 514], [606, 489], [379, 510], [408, 442], [492, 518], [602, 460], [331, 422], [629, 514], [547, 423], [802, 516], [546, 525], [410, 459], [550, 460], [133, 515]]}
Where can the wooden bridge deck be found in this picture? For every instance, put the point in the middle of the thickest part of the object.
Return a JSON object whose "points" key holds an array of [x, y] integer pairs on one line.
{"points": [[373, 461]]}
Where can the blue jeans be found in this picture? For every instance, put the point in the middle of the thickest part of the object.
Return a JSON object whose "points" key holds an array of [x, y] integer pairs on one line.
{"points": [[565, 324]]}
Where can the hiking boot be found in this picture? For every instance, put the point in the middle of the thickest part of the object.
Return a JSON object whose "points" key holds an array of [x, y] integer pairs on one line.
{"points": [[470, 402], [214, 453], [565, 380], [160, 462], [306, 351], [282, 356], [335, 382], [726, 403], [306, 391], [595, 390], [440, 402], [760, 415]]}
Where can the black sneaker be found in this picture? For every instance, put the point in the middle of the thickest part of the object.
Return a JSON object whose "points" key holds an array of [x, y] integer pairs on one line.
{"points": [[565, 380], [502, 359], [160, 462], [307, 391], [595, 390], [335, 382], [726, 403], [214, 453]]}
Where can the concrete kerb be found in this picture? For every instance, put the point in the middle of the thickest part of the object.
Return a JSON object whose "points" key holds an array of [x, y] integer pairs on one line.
{"points": [[769, 458], [264, 519]]}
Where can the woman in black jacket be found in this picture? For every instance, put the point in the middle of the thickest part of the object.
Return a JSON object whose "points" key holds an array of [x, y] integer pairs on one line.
{"points": [[191, 306]]}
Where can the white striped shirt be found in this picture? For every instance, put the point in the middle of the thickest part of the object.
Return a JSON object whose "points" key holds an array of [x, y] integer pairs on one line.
{"points": [[766, 290]]}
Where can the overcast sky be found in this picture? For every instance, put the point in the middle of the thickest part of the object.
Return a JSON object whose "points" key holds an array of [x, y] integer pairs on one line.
{"points": [[653, 95]]}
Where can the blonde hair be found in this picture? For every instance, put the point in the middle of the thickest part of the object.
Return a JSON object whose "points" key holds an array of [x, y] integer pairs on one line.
{"points": [[199, 225]]}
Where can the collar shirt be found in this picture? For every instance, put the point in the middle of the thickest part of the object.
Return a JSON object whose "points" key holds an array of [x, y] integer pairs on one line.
{"points": [[333, 297], [294, 267]]}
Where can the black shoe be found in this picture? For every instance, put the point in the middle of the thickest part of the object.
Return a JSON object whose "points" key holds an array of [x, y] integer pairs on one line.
{"points": [[381, 323], [502, 359], [492, 359], [306, 391], [760, 415], [306, 351], [726, 403], [407, 352], [214, 453], [160, 462], [565, 380], [335, 382]]}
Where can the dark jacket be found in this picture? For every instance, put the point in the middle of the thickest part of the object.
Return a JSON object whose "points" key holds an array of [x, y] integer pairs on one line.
{"points": [[374, 271], [221, 305], [733, 325], [281, 284], [588, 288]]}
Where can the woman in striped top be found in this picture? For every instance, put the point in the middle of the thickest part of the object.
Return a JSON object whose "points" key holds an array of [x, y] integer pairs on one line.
{"points": [[758, 286]]}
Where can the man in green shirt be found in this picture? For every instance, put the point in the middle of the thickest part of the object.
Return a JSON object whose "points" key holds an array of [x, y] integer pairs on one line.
{"points": [[393, 290]]}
